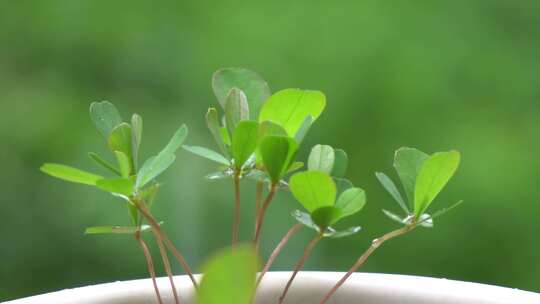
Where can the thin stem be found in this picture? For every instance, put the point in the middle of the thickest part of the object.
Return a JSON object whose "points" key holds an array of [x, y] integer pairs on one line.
{"points": [[166, 264], [236, 222], [300, 264], [376, 243], [157, 228], [149, 263], [258, 200], [260, 216], [277, 250]]}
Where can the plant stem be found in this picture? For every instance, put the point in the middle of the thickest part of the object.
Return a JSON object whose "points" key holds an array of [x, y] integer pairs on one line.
{"points": [[376, 243], [300, 264], [149, 263], [236, 221], [258, 200], [294, 229], [166, 264], [262, 211], [155, 227]]}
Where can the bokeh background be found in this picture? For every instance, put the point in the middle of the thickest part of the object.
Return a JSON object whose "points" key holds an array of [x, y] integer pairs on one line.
{"points": [[436, 75]]}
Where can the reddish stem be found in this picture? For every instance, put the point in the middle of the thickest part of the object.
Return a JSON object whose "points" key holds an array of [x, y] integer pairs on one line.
{"points": [[277, 250], [376, 243], [300, 264], [236, 221], [260, 217], [149, 263], [258, 200]]}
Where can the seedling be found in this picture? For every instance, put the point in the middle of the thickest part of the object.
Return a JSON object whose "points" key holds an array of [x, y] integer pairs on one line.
{"points": [[258, 135], [133, 185]]}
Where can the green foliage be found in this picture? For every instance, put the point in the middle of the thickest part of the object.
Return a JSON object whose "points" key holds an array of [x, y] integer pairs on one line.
{"points": [[324, 217], [120, 140], [103, 163], [321, 158], [105, 117], [244, 142], [116, 229], [123, 163], [252, 84], [155, 165], [212, 122], [236, 109], [290, 107], [136, 138], [407, 162], [229, 277], [389, 185], [208, 154], [313, 189], [341, 161], [434, 174], [351, 201], [122, 186], [278, 153], [70, 174]]}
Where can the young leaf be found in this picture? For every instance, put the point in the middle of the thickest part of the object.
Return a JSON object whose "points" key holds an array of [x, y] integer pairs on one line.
{"points": [[123, 164], [208, 154], [136, 137], [389, 185], [313, 189], [116, 229], [244, 141], [326, 216], [305, 219], [278, 152], [304, 128], [105, 164], [341, 161], [120, 140], [70, 174], [212, 121], [342, 184], [407, 162], [351, 201], [444, 210], [295, 166], [236, 109], [123, 186], [225, 136], [229, 277], [105, 117], [321, 158], [251, 83], [290, 107], [434, 174], [343, 233], [155, 165], [394, 217], [267, 128]]}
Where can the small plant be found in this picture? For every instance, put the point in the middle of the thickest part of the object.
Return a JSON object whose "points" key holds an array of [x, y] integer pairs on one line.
{"points": [[257, 135]]}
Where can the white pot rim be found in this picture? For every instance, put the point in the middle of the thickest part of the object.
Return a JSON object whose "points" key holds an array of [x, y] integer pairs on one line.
{"points": [[308, 288]]}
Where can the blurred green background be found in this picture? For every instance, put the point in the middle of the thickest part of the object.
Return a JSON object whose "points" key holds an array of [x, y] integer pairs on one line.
{"points": [[436, 75]]}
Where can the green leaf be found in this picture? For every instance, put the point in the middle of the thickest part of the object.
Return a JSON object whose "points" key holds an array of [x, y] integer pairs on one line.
{"points": [[342, 184], [433, 176], [244, 141], [116, 229], [304, 128], [105, 164], [444, 210], [394, 217], [225, 136], [70, 174], [136, 137], [133, 214], [326, 216], [105, 117], [208, 154], [407, 162], [313, 189], [305, 219], [251, 83], [389, 185], [120, 140], [219, 175], [278, 153], [341, 161], [155, 165], [290, 107], [351, 201], [123, 164], [236, 109], [321, 158], [267, 128], [212, 122], [149, 194], [229, 277], [295, 166], [343, 233], [123, 186]]}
